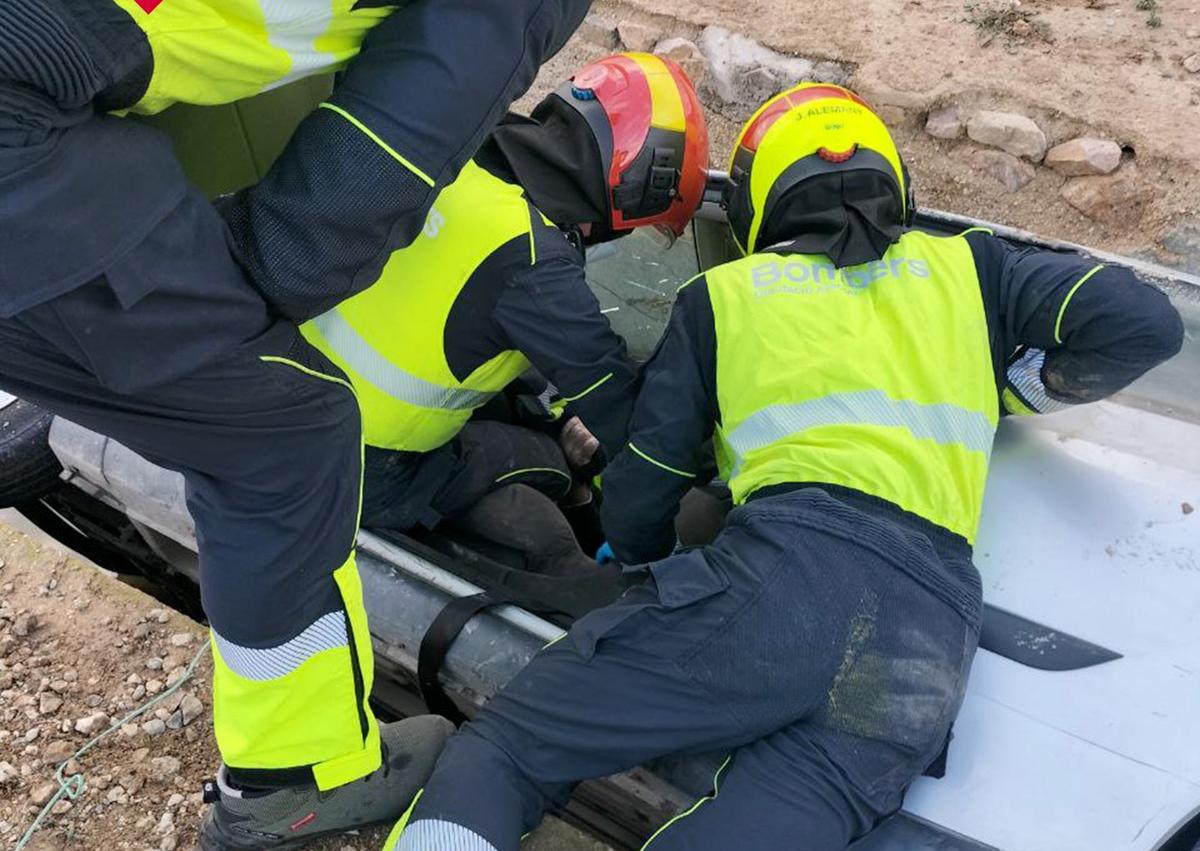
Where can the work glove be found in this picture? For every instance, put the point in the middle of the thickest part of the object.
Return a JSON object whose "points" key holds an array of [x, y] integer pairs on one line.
{"points": [[605, 555], [1025, 392]]}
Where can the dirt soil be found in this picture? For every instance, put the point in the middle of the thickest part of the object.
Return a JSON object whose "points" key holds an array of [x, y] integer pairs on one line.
{"points": [[1077, 67], [77, 645]]}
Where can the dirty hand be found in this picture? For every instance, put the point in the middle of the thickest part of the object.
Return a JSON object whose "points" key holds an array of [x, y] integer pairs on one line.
{"points": [[578, 444]]}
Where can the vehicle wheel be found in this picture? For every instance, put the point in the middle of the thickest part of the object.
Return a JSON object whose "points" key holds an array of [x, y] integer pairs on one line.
{"points": [[28, 469]]}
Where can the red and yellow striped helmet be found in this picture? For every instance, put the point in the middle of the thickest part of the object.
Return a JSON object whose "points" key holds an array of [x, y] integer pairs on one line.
{"points": [[809, 130], [653, 140]]}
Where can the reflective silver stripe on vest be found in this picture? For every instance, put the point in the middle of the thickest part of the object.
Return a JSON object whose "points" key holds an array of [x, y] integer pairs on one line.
{"points": [[443, 835], [391, 379], [294, 26], [942, 423], [269, 663]]}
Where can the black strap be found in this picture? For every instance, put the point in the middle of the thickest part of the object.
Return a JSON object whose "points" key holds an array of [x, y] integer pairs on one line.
{"points": [[436, 644]]}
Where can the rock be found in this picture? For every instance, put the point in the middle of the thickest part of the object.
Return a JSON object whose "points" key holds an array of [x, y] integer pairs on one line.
{"points": [[1192, 64], [166, 824], [597, 32], [192, 708], [154, 686], [138, 692], [42, 793], [175, 800], [48, 704], [944, 123], [168, 843], [745, 73], [181, 639], [58, 751], [62, 807], [686, 54], [158, 615], [154, 727], [91, 724], [154, 663], [93, 700], [1184, 242], [1010, 132], [1192, 32], [1116, 199], [8, 774], [139, 756], [174, 660], [1084, 155], [129, 730], [31, 734], [24, 625], [116, 795], [59, 686], [637, 37], [164, 768], [176, 675]]}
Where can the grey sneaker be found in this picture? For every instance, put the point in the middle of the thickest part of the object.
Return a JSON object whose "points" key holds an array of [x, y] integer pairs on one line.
{"points": [[294, 816]]}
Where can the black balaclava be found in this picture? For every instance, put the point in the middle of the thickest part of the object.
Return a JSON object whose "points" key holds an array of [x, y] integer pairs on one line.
{"points": [[850, 216], [554, 157]]}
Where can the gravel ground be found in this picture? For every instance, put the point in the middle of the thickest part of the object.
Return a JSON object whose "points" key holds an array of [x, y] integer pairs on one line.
{"points": [[80, 650]]}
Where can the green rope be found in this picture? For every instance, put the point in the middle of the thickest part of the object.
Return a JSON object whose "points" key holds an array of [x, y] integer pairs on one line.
{"points": [[72, 787]]}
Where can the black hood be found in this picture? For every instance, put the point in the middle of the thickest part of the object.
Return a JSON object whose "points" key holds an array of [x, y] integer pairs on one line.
{"points": [[852, 217], [554, 157]]}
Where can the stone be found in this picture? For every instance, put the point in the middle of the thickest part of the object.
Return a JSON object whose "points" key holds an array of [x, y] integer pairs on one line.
{"points": [[1084, 155], [166, 824], [637, 37], [139, 756], [175, 800], [1184, 242], [129, 730], [42, 793], [169, 843], [59, 686], [175, 660], [1192, 64], [687, 55], [1116, 199], [24, 625], [944, 123], [154, 727], [158, 615], [58, 751], [154, 686], [181, 639], [8, 774], [61, 807], [48, 704], [192, 708], [154, 663], [91, 724], [164, 768], [1016, 134], [745, 73], [595, 31]]}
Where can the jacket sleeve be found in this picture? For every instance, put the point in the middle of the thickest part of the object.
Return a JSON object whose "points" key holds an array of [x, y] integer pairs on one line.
{"points": [[548, 313], [357, 178], [669, 434], [1065, 329]]}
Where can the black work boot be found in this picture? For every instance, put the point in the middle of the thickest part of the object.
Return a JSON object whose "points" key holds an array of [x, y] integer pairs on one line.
{"points": [[293, 816]]}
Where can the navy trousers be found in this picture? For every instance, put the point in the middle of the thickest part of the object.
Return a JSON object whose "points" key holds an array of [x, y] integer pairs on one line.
{"points": [[823, 648]]}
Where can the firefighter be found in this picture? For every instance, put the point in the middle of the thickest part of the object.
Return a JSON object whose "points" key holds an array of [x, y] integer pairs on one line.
{"points": [[622, 144], [127, 304], [851, 372]]}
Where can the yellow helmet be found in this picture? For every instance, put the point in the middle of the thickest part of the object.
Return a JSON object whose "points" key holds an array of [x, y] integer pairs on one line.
{"points": [[809, 131]]}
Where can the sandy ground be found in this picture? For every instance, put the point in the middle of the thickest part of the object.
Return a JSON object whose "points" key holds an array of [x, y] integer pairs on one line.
{"points": [[75, 642], [1082, 67]]}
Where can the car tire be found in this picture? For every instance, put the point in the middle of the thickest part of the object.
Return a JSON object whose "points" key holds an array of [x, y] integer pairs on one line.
{"points": [[28, 469]]}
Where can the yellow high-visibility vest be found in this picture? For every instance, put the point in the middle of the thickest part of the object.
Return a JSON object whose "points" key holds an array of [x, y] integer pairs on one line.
{"points": [[218, 51], [876, 377], [390, 338]]}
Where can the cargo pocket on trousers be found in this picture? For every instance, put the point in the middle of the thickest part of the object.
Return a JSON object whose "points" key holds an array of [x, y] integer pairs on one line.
{"points": [[679, 580]]}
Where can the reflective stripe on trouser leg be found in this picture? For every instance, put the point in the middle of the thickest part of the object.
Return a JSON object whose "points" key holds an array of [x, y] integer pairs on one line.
{"points": [[304, 702]]}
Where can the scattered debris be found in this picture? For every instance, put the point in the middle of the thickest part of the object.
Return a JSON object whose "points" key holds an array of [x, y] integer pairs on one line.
{"points": [[1016, 134], [1085, 155], [1187, 508], [945, 123]]}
